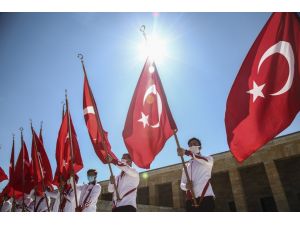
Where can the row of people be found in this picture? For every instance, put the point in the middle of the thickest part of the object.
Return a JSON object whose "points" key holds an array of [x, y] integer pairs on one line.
{"points": [[126, 183]]}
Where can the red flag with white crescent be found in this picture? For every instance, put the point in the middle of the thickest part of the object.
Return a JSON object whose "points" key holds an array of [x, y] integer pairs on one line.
{"points": [[149, 123], [265, 96], [42, 172], [98, 136], [22, 175], [9, 190], [63, 151]]}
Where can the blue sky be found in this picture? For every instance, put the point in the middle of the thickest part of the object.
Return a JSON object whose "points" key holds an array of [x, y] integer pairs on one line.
{"points": [[38, 62]]}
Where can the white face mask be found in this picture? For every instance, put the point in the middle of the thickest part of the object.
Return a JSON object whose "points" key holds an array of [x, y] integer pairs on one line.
{"points": [[194, 149], [124, 161], [91, 179]]}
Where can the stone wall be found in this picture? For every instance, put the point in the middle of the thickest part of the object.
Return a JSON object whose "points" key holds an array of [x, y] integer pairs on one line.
{"points": [[268, 180]]}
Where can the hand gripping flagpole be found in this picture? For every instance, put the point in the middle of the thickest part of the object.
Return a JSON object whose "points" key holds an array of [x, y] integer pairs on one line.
{"points": [[40, 165], [71, 147], [80, 56], [142, 30], [185, 170]]}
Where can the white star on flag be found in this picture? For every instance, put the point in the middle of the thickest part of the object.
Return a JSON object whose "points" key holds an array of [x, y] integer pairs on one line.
{"points": [[144, 120], [256, 91]]}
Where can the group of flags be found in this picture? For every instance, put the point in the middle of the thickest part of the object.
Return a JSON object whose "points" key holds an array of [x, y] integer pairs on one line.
{"points": [[263, 100]]}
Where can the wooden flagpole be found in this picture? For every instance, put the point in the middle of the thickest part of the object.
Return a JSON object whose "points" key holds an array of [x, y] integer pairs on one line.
{"points": [[40, 166], [185, 170], [80, 56], [71, 146]]}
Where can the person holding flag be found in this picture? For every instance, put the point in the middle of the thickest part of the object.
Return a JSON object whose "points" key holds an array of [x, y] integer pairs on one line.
{"points": [[199, 170], [42, 174], [126, 183], [65, 198], [6, 205], [89, 193]]}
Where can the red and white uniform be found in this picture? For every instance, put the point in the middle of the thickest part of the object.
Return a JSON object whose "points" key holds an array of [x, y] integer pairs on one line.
{"points": [[89, 197], [127, 183], [199, 170], [7, 205], [64, 202]]}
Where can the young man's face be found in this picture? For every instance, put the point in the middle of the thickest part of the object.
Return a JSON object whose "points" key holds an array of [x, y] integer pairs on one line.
{"points": [[194, 143], [127, 158]]}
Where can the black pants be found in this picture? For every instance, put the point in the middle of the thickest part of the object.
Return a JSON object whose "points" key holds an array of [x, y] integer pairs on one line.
{"points": [[124, 208], [207, 205]]}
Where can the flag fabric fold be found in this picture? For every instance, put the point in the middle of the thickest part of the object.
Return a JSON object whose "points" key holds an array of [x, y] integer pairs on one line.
{"points": [[63, 152], [42, 172], [22, 181], [3, 175]]}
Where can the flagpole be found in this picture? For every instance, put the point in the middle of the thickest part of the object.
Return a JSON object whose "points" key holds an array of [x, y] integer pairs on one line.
{"points": [[80, 56], [185, 170], [23, 177], [13, 208], [61, 189], [40, 165], [71, 146]]}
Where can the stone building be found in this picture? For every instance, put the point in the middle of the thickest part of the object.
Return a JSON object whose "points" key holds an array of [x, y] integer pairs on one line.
{"points": [[267, 181]]}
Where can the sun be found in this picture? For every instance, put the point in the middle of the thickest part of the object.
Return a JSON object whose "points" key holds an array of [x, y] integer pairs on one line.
{"points": [[154, 47]]}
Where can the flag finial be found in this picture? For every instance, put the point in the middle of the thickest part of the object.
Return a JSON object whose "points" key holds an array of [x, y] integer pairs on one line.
{"points": [[80, 56], [142, 29]]}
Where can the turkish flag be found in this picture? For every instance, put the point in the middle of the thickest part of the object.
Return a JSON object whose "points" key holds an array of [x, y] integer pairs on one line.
{"points": [[63, 151], [93, 123], [149, 121], [42, 172], [9, 190], [3, 176], [22, 175], [265, 96]]}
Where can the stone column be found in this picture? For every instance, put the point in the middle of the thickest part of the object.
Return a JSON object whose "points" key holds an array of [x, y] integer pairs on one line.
{"points": [[276, 186], [152, 194], [176, 194], [237, 190]]}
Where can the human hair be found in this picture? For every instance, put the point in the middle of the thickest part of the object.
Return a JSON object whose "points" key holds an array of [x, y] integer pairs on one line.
{"points": [[194, 139]]}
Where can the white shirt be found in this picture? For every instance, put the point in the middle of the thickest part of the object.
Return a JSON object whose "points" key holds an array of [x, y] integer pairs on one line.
{"points": [[129, 181], [6, 207], [91, 201], [42, 207], [70, 201], [27, 204], [199, 170]]}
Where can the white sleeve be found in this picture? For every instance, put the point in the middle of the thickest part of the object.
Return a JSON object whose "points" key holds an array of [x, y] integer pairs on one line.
{"points": [[52, 194], [127, 169], [111, 187], [183, 181]]}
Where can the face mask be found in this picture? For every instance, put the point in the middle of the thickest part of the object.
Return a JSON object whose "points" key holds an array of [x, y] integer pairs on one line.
{"points": [[195, 149], [124, 161], [91, 179]]}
